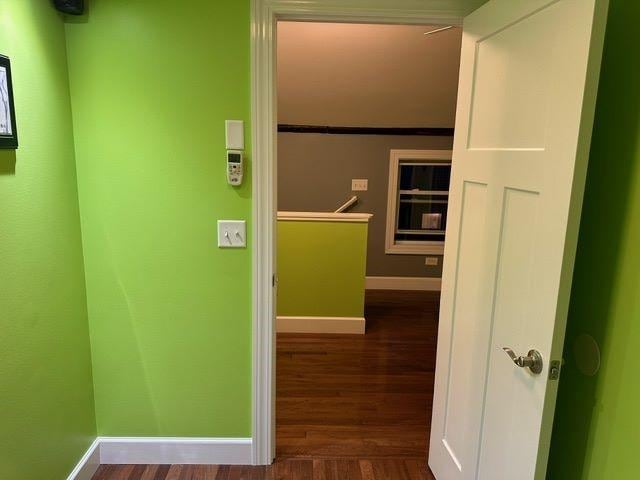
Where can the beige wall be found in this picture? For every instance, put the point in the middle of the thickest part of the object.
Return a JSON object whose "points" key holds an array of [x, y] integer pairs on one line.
{"points": [[367, 75], [360, 75]]}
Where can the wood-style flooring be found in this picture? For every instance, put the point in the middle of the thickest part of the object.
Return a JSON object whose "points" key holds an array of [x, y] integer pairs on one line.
{"points": [[348, 407], [288, 469], [360, 395]]}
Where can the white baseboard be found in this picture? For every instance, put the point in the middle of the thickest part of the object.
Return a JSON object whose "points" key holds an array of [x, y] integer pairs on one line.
{"points": [[135, 450], [88, 464], [162, 450], [348, 325], [432, 284]]}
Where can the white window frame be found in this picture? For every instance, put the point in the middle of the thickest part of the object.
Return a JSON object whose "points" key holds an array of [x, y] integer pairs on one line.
{"points": [[407, 247]]}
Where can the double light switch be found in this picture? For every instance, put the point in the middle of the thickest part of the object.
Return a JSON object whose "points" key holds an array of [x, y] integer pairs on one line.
{"points": [[232, 233]]}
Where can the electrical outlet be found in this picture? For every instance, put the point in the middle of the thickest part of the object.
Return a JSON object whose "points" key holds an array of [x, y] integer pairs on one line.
{"points": [[431, 261], [359, 184]]}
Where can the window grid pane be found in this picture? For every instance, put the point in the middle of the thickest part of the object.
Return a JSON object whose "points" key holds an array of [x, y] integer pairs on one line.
{"points": [[423, 196]]}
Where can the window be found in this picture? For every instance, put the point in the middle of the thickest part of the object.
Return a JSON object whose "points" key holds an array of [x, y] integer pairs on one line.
{"points": [[417, 201]]}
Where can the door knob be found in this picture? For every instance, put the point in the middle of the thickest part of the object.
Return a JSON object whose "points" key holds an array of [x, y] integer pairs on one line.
{"points": [[533, 360]]}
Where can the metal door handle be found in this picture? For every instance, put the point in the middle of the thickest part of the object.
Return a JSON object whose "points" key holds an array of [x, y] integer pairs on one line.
{"points": [[533, 360]]}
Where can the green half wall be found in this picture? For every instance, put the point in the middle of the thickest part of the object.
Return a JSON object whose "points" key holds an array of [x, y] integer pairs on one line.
{"points": [[321, 268]]}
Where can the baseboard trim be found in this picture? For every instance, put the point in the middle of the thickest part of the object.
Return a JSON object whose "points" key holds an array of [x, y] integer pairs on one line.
{"points": [[432, 284], [162, 450], [88, 464], [175, 450], [346, 325]]}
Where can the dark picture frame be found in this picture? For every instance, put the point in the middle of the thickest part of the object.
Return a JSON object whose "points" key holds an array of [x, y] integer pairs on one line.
{"points": [[8, 128]]}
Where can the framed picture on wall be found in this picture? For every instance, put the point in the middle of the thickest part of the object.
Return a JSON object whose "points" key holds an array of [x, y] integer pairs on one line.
{"points": [[8, 131]]}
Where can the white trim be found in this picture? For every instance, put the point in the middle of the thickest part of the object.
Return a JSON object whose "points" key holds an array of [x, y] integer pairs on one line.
{"points": [[263, 132], [88, 464], [409, 247], [417, 248], [430, 284], [263, 115], [162, 450], [421, 12], [346, 325], [325, 217], [174, 450]]}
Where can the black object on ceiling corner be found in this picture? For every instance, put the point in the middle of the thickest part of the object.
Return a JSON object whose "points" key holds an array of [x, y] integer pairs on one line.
{"points": [[71, 7]]}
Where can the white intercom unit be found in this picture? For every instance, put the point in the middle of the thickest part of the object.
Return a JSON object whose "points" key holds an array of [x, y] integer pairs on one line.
{"points": [[235, 167]]}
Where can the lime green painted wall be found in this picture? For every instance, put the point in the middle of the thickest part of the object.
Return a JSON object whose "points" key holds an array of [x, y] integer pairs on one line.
{"points": [[170, 314], [597, 430], [46, 399], [321, 268]]}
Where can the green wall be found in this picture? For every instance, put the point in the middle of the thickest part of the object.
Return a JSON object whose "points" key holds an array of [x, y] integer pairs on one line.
{"points": [[170, 314], [321, 268], [46, 399], [597, 430], [152, 82]]}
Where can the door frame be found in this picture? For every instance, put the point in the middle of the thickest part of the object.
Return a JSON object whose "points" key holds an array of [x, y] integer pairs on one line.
{"points": [[264, 16]]}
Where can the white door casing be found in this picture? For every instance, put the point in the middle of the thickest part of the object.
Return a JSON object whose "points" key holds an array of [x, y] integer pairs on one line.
{"points": [[528, 82], [264, 15]]}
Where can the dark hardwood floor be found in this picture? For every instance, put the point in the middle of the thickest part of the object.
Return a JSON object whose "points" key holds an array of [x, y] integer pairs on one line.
{"points": [[348, 407], [360, 396], [288, 469]]}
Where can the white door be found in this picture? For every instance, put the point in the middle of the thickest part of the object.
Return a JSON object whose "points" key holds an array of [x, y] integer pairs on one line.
{"points": [[525, 110]]}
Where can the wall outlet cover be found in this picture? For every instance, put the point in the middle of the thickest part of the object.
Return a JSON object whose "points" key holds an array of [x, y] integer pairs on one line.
{"points": [[232, 233], [359, 184], [431, 261]]}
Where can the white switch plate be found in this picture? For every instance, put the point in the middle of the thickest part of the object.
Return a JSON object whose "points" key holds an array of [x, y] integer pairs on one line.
{"points": [[232, 233], [234, 133], [359, 185], [431, 261]]}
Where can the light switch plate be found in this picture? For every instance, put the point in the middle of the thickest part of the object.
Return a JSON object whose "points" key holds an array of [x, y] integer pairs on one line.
{"points": [[359, 184], [431, 261], [232, 233]]}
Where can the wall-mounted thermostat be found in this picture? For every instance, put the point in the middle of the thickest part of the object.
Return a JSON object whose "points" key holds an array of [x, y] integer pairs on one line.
{"points": [[235, 167]]}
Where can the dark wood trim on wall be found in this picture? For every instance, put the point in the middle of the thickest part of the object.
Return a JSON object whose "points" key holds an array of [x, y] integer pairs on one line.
{"points": [[407, 131]]}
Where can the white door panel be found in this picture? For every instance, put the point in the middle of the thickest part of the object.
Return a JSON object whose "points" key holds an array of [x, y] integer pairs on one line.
{"points": [[525, 110]]}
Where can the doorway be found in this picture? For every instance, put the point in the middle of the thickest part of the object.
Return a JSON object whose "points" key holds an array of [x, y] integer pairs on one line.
{"points": [[365, 129]]}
